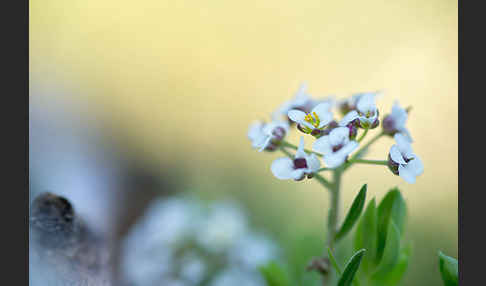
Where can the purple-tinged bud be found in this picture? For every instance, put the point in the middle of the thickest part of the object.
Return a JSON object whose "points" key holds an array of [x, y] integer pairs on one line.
{"points": [[271, 147], [279, 133], [353, 130], [375, 124], [392, 165], [317, 133], [345, 108]]}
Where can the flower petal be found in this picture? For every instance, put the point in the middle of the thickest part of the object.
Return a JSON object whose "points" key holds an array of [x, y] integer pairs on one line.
{"points": [[313, 163], [348, 148], [416, 165], [300, 150], [298, 174], [339, 135], [406, 173], [283, 168], [322, 145], [403, 145], [325, 119], [395, 155], [352, 115], [334, 160], [366, 103], [296, 115]]}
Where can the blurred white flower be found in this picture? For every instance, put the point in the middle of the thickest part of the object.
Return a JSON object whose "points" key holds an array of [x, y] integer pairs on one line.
{"points": [[224, 225], [265, 136], [253, 250], [193, 269], [237, 276], [402, 160], [395, 122], [179, 242], [303, 164], [367, 111], [335, 147]]}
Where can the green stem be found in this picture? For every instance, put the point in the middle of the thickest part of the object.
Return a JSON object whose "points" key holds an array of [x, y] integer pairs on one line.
{"points": [[323, 181], [363, 135], [361, 150], [286, 152], [333, 217], [292, 146], [371, 162], [323, 169]]}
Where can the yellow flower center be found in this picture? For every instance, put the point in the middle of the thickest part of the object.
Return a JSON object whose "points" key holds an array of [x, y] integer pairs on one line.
{"points": [[313, 119]]}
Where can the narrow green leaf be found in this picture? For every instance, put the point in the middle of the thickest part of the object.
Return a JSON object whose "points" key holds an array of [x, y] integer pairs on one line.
{"points": [[274, 274], [394, 276], [353, 214], [392, 207], [351, 268], [365, 236], [449, 270], [334, 262], [390, 254]]}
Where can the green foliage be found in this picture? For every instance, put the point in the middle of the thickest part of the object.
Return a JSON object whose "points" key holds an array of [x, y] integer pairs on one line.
{"points": [[448, 267], [351, 268], [366, 235], [353, 214], [334, 262], [380, 231], [274, 274], [392, 207], [379, 234]]}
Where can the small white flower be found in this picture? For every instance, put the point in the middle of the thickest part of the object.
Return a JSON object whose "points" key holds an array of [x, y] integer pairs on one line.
{"points": [[296, 169], [335, 147], [264, 135], [302, 101], [318, 118], [367, 111], [395, 122], [402, 161]]}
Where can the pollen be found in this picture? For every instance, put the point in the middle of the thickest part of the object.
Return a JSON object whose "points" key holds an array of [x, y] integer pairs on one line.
{"points": [[313, 119]]}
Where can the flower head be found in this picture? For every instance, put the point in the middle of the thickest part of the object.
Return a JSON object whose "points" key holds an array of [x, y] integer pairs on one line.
{"points": [[301, 101], [335, 147], [266, 136], [402, 161], [314, 121], [367, 110], [395, 121], [303, 164]]}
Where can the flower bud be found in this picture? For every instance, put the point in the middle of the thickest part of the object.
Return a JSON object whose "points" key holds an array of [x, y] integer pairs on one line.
{"points": [[392, 165]]}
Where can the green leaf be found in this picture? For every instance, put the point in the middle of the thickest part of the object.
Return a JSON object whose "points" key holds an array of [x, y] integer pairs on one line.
{"points": [[392, 207], [390, 254], [333, 261], [351, 268], [448, 267], [353, 214], [274, 274], [394, 276], [365, 236]]}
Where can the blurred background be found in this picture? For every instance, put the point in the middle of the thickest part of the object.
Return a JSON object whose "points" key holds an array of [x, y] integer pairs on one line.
{"points": [[169, 88]]}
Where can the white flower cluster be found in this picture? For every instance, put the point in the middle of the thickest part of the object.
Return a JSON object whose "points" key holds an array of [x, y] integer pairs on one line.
{"points": [[335, 139], [181, 242]]}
